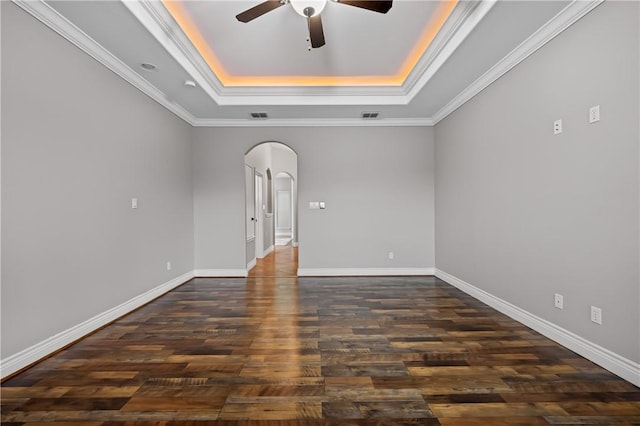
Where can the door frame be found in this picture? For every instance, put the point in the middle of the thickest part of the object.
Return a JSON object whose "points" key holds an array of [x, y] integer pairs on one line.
{"points": [[259, 213]]}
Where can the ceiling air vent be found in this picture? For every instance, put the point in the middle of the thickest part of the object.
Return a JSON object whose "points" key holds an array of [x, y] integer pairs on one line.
{"points": [[370, 115], [259, 115]]}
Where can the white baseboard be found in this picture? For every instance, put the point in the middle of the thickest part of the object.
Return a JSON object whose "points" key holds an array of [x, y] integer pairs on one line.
{"points": [[251, 264], [268, 251], [617, 364], [40, 350], [294, 243], [205, 273], [338, 272]]}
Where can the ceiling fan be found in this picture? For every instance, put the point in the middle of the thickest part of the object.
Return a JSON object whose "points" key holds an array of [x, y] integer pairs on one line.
{"points": [[311, 9]]}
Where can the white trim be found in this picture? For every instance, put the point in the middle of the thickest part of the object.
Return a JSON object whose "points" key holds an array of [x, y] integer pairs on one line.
{"points": [[313, 122], [617, 364], [556, 25], [156, 19], [251, 264], [40, 350], [294, 243], [338, 272], [58, 23], [268, 250], [159, 22], [465, 17], [205, 273]]}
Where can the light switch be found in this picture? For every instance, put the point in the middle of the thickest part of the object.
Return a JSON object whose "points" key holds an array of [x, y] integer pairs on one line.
{"points": [[314, 204], [322, 205], [134, 203], [594, 114]]}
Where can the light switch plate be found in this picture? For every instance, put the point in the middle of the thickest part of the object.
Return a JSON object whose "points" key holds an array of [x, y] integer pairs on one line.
{"points": [[594, 114]]}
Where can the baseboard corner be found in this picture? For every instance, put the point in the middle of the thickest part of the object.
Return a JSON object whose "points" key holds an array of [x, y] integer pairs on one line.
{"points": [[37, 352], [611, 361]]}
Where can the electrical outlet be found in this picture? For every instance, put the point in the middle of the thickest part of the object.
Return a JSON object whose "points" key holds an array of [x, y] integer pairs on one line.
{"points": [[557, 127], [596, 315], [168, 266], [558, 301]]}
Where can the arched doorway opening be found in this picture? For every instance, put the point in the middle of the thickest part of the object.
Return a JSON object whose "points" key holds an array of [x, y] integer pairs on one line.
{"points": [[271, 183], [285, 220]]}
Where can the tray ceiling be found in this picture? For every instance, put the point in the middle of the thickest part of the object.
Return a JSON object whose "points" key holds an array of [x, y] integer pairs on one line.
{"points": [[413, 65]]}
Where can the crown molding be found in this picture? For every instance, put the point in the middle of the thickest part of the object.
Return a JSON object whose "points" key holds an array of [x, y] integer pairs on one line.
{"points": [[159, 22], [457, 28], [556, 25], [58, 23], [155, 13], [316, 122]]}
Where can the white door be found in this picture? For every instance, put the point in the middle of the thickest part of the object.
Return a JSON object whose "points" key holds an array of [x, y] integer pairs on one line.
{"points": [[250, 206], [259, 215], [283, 212]]}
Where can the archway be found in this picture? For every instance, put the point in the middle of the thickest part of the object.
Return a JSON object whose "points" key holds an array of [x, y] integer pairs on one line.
{"points": [[264, 163]]}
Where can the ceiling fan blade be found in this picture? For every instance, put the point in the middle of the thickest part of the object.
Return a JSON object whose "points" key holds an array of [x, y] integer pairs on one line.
{"points": [[259, 10], [316, 34], [379, 6]]}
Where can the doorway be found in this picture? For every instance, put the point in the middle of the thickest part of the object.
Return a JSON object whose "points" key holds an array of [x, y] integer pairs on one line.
{"points": [[271, 206], [259, 215], [284, 209]]}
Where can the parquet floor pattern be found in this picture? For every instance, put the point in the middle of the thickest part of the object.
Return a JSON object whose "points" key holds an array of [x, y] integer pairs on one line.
{"points": [[317, 351]]}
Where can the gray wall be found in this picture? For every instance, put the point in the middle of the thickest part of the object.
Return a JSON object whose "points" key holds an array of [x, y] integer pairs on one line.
{"points": [[523, 214], [377, 183], [77, 143]]}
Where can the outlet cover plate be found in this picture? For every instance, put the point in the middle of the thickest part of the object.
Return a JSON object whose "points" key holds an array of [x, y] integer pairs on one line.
{"points": [[558, 301], [596, 315]]}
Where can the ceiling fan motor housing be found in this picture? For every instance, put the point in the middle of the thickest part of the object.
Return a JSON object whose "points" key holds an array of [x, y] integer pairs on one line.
{"points": [[308, 8]]}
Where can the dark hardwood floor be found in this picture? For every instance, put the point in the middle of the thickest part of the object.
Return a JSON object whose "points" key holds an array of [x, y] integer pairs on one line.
{"points": [[281, 350]]}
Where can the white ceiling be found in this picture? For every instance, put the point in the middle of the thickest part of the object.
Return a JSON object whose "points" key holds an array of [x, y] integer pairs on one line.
{"points": [[480, 41]]}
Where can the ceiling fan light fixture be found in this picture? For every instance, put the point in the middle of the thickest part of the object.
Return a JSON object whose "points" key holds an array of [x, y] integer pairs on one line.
{"points": [[308, 8]]}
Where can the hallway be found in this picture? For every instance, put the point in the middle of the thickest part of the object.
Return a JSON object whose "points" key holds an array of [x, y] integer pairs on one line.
{"points": [[280, 263]]}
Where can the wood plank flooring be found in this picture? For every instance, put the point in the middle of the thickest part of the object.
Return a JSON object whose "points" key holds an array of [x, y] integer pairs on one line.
{"points": [[282, 350], [283, 262]]}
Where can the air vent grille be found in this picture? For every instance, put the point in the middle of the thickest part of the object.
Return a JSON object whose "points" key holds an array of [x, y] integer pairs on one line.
{"points": [[259, 115], [370, 115]]}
